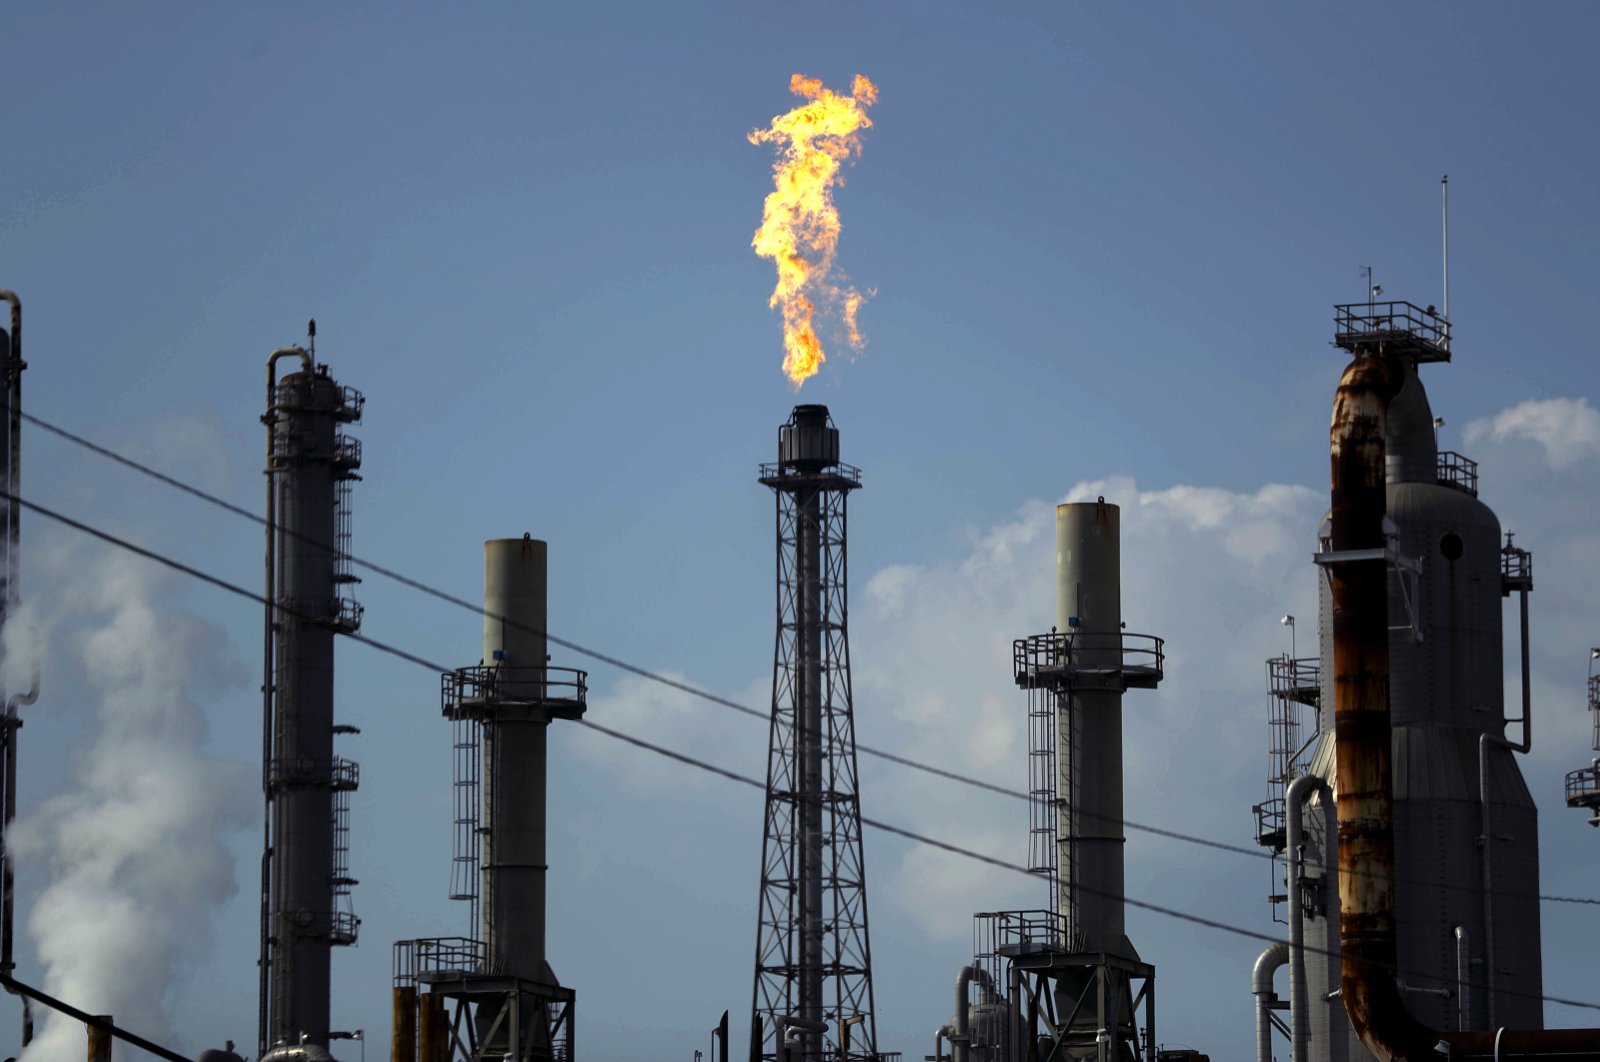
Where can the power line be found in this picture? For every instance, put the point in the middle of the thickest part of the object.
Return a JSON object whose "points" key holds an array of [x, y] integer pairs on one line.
{"points": [[703, 765], [476, 608]]}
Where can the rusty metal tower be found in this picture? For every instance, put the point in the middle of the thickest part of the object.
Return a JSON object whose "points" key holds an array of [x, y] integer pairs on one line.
{"points": [[813, 976], [305, 888]]}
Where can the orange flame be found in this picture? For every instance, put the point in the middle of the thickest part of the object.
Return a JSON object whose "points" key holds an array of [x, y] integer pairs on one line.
{"points": [[799, 223]]}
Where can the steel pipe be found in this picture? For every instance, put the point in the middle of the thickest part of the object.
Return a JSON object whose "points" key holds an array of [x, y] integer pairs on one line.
{"points": [[1299, 792], [1267, 963]]}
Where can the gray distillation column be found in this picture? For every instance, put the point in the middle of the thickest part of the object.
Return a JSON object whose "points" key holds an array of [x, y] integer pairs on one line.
{"points": [[309, 467], [1082, 983]]}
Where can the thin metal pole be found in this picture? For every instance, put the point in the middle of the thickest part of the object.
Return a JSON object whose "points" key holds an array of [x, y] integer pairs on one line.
{"points": [[1444, 191]]}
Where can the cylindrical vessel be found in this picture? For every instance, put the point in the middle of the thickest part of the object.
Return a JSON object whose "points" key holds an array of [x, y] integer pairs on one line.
{"points": [[306, 405], [433, 1029], [99, 1041], [403, 1033], [1089, 831], [514, 752]]}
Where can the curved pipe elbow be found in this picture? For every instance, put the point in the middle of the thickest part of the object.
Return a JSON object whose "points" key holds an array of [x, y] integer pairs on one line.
{"points": [[1272, 958]]}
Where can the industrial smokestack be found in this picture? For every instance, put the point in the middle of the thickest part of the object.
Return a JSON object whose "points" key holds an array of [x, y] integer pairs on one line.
{"points": [[515, 742], [1089, 834], [1075, 676]]}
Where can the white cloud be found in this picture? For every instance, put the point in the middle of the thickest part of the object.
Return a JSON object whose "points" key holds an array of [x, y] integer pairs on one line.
{"points": [[1209, 569], [1567, 428]]}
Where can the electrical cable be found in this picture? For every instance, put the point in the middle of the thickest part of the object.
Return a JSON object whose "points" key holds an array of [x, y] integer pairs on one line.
{"points": [[703, 765], [477, 609]]}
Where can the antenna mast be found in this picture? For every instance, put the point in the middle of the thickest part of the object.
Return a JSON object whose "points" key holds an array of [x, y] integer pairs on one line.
{"points": [[1444, 190]]}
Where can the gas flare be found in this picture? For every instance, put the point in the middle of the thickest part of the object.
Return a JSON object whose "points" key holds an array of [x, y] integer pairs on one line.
{"points": [[799, 223]]}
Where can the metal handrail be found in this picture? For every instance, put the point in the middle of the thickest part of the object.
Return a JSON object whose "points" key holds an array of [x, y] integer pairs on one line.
{"points": [[347, 451], [351, 403], [1358, 320], [335, 773], [1019, 928], [456, 955], [1062, 649], [1516, 567], [1583, 786], [484, 682], [346, 927], [1458, 471], [784, 470]]}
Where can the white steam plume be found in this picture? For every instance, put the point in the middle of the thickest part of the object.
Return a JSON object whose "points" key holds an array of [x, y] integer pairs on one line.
{"points": [[135, 847]]}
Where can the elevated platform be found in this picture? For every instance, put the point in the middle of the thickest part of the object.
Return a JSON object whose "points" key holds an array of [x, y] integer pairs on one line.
{"points": [[1583, 788], [1091, 661], [499, 690], [1392, 327]]}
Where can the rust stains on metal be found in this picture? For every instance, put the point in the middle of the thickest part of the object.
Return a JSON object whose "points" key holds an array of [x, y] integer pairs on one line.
{"points": [[1358, 581], [1359, 589]]}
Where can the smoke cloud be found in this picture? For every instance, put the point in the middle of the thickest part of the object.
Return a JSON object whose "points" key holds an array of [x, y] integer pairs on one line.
{"points": [[135, 847]]}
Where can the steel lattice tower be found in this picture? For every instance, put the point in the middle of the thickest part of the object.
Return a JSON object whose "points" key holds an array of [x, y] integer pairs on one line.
{"points": [[813, 977]]}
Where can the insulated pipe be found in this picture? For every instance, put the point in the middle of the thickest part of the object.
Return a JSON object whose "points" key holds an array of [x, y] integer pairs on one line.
{"points": [[1298, 793], [1486, 815], [1267, 963], [1359, 591], [960, 1027], [1463, 982], [961, 1034]]}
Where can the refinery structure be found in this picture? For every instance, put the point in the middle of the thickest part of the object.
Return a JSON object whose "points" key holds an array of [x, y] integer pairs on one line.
{"points": [[1403, 912]]}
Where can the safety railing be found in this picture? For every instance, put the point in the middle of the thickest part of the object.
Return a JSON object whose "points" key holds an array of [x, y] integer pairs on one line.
{"points": [[778, 470], [351, 403], [337, 773], [1405, 327], [444, 957], [1516, 568], [498, 682], [347, 451], [1583, 787], [1040, 658], [1458, 471]]}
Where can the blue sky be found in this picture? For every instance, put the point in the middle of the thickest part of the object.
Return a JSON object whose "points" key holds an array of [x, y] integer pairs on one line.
{"points": [[1105, 240]]}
